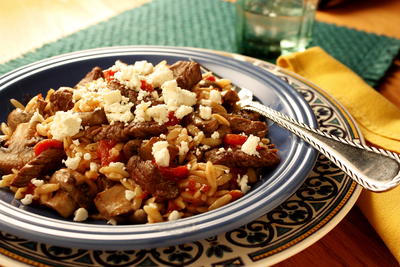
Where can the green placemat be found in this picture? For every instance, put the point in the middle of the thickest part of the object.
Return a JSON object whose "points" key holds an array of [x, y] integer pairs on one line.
{"points": [[210, 24]]}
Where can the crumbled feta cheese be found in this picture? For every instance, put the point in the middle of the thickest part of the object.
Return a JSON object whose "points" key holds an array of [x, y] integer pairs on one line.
{"points": [[175, 97], [36, 117], [174, 215], [142, 94], [205, 102], [73, 163], [143, 67], [163, 136], [80, 215], [27, 200], [65, 124], [205, 112], [205, 147], [161, 153], [94, 167], [84, 98], [111, 97], [215, 96], [99, 84], [119, 112], [183, 148], [160, 75], [198, 152], [128, 76], [37, 182], [182, 111], [250, 146], [87, 156], [242, 182], [112, 222], [159, 113], [129, 194], [215, 135], [140, 112], [154, 94], [76, 142]]}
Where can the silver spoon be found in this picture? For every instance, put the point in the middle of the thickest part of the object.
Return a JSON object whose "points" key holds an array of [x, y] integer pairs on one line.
{"points": [[374, 169]]}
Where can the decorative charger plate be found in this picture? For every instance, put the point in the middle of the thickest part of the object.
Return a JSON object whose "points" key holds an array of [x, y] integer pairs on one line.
{"points": [[313, 210]]}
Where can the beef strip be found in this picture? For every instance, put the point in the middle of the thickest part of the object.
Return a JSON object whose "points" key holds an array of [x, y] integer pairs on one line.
{"points": [[61, 100], [148, 176], [19, 148], [103, 183], [17, 116], [93, 75], [44, 164], [92, 118], [131, 148], [229, 99], [237, 158], [81, 190], [9, 161], [121, 132], [243, 125], [132, 95], [208, 126], [186, 73], [250, 115], [41, 106], [145, 149], [62, 202], [112, 202]]}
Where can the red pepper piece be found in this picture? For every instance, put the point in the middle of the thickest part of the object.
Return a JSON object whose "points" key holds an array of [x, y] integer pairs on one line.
{"points": [[234, 139], [172, 206], [192, 185], [146, 86], [46, 144], [205, 188], [30, 189], [109, 75], [236, 194], [211, 78], [144, 195], [174, 174], [172, 120], [104, 152]]}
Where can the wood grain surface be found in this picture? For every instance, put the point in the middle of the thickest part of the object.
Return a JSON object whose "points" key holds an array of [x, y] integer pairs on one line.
{"points": [[28, 24]]}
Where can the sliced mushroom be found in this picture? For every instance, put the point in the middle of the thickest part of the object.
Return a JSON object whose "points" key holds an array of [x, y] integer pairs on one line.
{"points": [[16, 117], [92, 118], [62, 202], [80, 189], [18, 149]]}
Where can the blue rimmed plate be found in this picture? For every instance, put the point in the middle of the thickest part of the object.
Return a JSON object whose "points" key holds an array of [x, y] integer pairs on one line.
{"points": [[275, 187]]}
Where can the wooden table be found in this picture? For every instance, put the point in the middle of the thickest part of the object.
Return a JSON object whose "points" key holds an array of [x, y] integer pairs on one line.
{"points": [[353, 242]]}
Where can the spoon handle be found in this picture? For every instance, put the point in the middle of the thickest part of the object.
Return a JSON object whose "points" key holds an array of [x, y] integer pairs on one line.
{"points": [[374, 169]]}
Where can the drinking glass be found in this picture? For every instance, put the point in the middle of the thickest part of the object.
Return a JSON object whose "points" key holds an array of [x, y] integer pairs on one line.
{"points": [[269, 28]]}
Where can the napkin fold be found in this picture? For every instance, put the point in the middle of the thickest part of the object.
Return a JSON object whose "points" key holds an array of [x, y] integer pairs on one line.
{"points": [[378, 119]]}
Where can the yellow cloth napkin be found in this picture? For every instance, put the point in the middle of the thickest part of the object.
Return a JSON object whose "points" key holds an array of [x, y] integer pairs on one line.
{"points": [[378, 119]]}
